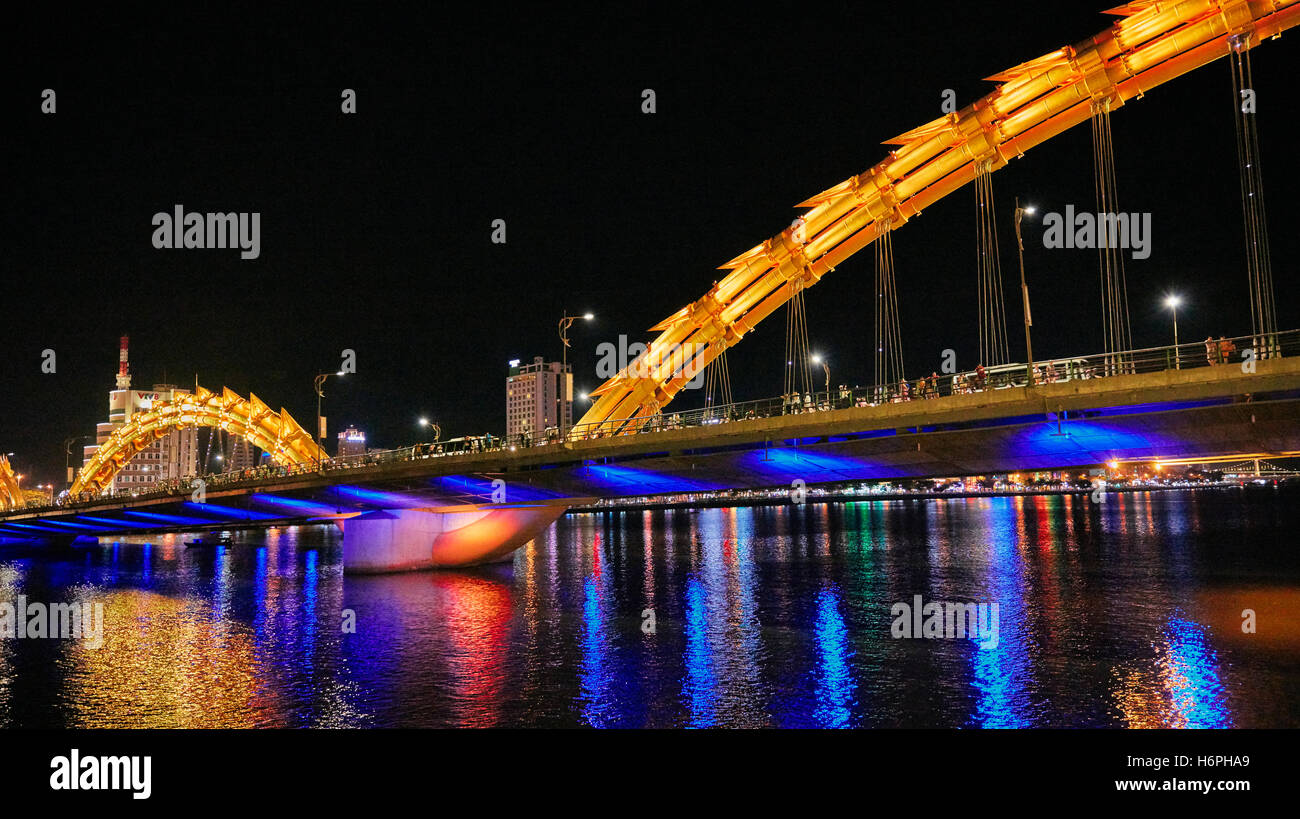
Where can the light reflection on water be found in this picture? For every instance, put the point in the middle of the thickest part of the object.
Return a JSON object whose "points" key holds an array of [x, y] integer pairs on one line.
{"points": [[1125, 615]]}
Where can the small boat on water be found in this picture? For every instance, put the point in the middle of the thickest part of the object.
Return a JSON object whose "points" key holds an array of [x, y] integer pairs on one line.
{"points": [[202, 543]]}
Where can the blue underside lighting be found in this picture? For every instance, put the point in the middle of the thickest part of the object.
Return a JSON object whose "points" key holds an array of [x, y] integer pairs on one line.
{"points": [[784, 464], [1136, 409], [30, 526], [297, 505], [71, 525], [115, 522], [481, 488], [177, 519], [379, 499], [643, 481], [227, 512], [1079, 443]]}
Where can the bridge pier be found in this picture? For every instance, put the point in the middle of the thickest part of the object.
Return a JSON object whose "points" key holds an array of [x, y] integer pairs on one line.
{"points": [[399, 540]]}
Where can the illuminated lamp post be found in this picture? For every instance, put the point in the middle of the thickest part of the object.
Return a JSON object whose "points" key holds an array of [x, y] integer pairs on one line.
{"points": [[1172, 302], [1024, 292], [565, 323], [320, 394], [817, 359]]}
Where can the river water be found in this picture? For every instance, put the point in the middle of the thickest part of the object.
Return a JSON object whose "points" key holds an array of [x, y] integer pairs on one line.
{"points": [[1127, 613]]}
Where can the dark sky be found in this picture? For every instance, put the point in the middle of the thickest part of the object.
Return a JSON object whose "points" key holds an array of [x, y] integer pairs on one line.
{"points": [[376, 227]]}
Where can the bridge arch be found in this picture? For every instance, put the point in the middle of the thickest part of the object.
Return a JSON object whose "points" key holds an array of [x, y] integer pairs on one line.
{"points": [[1152, 43], [276, 433], [11, 495]]}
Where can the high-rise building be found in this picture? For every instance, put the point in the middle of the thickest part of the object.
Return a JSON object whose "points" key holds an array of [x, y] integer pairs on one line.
{"points": [[237, 454], [175, 455], [538, 395], [352, 441]]}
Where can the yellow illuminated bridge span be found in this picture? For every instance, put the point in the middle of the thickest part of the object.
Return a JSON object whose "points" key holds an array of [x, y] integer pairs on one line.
{"points": [[11, 496], [1153, 43], [276, 433]]}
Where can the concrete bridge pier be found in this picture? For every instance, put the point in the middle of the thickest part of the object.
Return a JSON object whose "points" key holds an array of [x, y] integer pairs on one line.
{"points": [[399, 540]]}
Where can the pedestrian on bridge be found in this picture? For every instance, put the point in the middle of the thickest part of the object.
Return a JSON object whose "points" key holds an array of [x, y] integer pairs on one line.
{"points": [[1211, 351], [1226, 349]]}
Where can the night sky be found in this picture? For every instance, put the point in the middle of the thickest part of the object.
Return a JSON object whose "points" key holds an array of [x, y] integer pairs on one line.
{"points": [[375, 227]]}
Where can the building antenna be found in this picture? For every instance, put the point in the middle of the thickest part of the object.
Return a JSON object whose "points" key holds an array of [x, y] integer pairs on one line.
{"points": [[123, 369]]}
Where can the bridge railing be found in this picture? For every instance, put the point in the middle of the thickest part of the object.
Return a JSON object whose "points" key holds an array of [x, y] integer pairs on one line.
{"points": [[1217, 352], [1238, 351]]}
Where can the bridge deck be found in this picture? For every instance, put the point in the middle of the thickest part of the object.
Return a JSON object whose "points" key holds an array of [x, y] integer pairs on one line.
{"points": [[1208, 411]]}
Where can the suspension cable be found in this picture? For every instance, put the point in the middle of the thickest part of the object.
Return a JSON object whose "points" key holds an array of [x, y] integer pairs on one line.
{"points": [[1114, 288], [1259, 268], [798, 376], [717, 384], [207, 450], [889, 343], [993, 347]]}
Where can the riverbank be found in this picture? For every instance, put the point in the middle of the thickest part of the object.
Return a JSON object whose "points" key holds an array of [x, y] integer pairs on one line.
{"points": [[787, 496]]}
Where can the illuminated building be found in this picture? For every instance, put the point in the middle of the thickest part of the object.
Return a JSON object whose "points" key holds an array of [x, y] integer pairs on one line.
{"points": [[352, 441], [536, 394], [175, 455], [238, 454]]}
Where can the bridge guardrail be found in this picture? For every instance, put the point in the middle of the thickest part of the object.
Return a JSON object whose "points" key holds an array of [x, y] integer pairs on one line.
{"points": [[1209, 353]]}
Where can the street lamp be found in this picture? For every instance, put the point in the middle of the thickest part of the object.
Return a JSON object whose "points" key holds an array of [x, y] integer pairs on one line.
{"points": [[1024, 291], [67, 448], [320, 393], [1172, 301], [565, 323], [816, 359]]}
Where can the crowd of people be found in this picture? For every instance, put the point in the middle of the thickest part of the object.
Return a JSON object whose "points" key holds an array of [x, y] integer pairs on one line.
{"points": [[925, 388]]}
